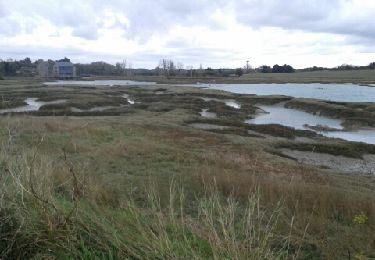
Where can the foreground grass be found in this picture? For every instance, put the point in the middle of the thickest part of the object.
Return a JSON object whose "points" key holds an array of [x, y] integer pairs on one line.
{"points": [[118, 187], [49, 208]]}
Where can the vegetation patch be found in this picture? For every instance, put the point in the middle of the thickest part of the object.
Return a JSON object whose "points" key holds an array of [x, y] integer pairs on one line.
{"points": [[353, 150], [12, 102], [281, 131]]}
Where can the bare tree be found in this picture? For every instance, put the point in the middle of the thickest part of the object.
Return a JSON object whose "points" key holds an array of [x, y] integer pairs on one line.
{"points": [[124, 66], [168, 67], [164, 66], [130, 69], [190, 69]]}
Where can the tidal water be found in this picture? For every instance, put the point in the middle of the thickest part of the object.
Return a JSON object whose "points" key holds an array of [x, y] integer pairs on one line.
{"points": [[330, 92], [98, 83], [301, 120], [292, 118]]}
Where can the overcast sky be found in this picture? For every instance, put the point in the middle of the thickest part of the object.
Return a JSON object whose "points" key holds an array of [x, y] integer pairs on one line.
{"points": [[216, 33]]}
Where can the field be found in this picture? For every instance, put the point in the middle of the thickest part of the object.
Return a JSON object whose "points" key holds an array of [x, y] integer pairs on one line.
{"points": [[353, 76], [155, 180]]}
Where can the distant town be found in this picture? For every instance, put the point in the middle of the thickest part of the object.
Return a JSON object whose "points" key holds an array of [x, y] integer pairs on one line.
{"points": [[66, 69]]}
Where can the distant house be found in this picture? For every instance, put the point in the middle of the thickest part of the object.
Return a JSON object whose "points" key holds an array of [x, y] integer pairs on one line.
{"points": [[45, 68], [64, 69]]}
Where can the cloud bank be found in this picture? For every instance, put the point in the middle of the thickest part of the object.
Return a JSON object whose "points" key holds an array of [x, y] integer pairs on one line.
{"points": [[213, 33]]}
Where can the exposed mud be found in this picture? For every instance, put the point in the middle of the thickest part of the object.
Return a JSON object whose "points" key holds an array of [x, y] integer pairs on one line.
{"points": [[366, 165]]}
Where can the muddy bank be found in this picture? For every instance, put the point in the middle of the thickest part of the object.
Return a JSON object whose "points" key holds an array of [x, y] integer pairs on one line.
{"points": [[366, 165]]}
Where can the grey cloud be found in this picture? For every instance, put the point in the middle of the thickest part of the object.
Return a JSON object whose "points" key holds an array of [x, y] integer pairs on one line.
{"points": [[86, 31], [149, 17], [9, 27], [293, 13], [80, 16], [2, 10], [314, 16], [146, 17]]}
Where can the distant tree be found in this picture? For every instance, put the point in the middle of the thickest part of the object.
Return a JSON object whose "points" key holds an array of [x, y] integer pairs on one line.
{"points": [[180, 67], [209, 72], [2, 69], [239, 72], [314, 68], [123, 66], [10, 68], [288, 69], [129, 71], [168, 67], [64, 60], [190, 70], [265, 69], [99, 68], [25, 62], [282, 69], [371, 65], [171, 68], [346, 67], [118, 68]]}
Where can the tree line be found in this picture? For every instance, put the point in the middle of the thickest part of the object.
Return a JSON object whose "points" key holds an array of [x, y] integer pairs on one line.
{"points": [[166, 68], [276, 69]]}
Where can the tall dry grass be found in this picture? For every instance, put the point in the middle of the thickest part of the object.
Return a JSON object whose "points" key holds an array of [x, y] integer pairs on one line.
{"points": [[51, 208], [324, 204]]}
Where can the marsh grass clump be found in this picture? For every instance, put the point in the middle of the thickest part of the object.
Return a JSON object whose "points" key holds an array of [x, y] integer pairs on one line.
{"points": [[11, 102]]}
